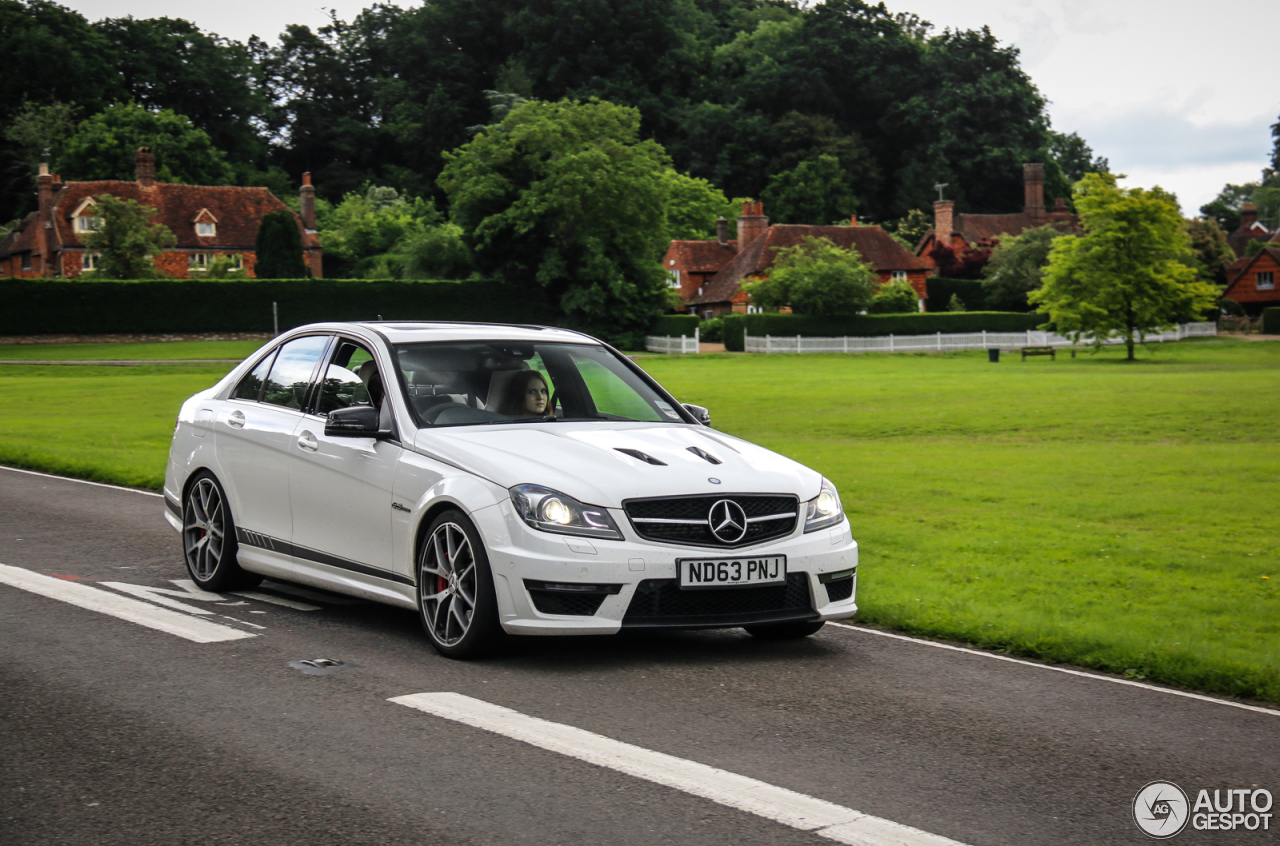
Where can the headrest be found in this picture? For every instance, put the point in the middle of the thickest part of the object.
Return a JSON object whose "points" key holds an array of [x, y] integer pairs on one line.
{"points": [[499, 382]]}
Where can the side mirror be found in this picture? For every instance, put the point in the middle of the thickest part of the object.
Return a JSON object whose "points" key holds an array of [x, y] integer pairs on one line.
{"points": [[699, 413], [359, 421]]}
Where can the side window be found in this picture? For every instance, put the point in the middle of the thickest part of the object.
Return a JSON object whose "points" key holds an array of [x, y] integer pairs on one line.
{"points": [[290, 376], [251, 386], [351, 378], [611, 395]]}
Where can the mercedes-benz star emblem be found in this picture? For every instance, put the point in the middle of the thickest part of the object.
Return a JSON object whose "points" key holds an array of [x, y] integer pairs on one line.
{"points": [[728, 521]]}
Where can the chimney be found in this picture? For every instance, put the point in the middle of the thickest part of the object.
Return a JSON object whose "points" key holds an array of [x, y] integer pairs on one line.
{"points": [[722, 231], [44, 229], [752, 224], [1033, 183], [307, 202], [1248, 216], [942, 222], [146, 168]]}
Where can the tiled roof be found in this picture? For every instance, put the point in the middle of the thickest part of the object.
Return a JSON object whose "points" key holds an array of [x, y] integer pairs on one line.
{"points": [[238, 211], [22, 239], [876, 247], [1237, 269], [1239, 240], [977, 227], [702, 256]]}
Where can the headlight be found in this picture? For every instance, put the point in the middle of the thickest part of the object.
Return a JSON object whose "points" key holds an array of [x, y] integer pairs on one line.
{"points": [[824, 509], [552, 511]]}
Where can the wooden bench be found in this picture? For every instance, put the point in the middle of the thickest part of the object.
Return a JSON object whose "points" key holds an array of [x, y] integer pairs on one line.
{"points": [[1049, 351]]}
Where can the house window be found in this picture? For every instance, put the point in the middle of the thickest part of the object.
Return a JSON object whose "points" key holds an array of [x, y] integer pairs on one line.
{"points": [[898, 275], [26, 261], [710, 313], [673, 277], [88, 223], [237, 260], [91, 261], [206, 230], [199, 261], [1265, 280]]}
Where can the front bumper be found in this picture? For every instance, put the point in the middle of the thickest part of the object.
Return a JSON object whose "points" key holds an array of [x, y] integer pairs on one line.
{"points": [[630, 583]]}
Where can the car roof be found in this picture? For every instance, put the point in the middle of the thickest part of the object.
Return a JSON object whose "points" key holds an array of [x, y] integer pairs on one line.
{"points": [[418, 331]]}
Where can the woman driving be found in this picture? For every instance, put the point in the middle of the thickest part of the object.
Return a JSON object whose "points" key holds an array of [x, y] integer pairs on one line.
{"points": [[527, 395]]}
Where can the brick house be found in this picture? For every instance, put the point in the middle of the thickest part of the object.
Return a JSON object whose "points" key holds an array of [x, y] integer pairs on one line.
{"points": [[959, 231], [1250, 230], [711, 274], [1251, 282], [207, 220]]}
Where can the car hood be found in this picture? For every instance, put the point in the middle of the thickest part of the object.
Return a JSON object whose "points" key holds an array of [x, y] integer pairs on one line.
{"points": [[583, 460]]}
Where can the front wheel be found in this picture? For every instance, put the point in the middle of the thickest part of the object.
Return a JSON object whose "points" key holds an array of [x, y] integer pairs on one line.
{"points": [[455, 589], [209, 538], [784, 631]]}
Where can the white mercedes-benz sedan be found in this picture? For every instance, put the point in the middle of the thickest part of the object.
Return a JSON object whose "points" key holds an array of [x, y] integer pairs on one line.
{"points": [[498, 480]]}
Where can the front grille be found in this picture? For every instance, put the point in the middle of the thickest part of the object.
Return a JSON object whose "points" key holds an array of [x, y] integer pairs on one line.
{"points": [[661, 602], [691, 527], [839, 590]]}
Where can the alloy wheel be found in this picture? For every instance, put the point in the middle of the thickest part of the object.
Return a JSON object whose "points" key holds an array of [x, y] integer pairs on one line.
{"points": [[203, 529], [447, 583]]}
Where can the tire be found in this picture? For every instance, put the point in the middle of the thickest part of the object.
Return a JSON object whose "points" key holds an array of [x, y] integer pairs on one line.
{"points": [[209, 538], [456, 602], [784, 631]]}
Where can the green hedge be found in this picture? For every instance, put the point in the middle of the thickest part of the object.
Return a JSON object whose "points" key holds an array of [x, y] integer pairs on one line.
{"points": [[733, 332], [873, 325], [33, 307], [1271, 321], [941, 290], [675, 325]]}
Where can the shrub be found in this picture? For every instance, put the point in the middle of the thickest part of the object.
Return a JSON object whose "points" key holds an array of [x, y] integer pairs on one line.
{"points": [[956, 305], [675, 325], [712, 330], [734, 332], [1271, 321], [941, 290], [279, 247], [896, 297], [887, 324]]}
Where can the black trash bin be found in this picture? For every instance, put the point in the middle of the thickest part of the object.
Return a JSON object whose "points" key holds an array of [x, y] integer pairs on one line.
{"points": [[993, 355]]}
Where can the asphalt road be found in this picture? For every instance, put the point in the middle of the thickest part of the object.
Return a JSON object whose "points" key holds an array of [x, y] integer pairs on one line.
{"points": [[114, 733]]}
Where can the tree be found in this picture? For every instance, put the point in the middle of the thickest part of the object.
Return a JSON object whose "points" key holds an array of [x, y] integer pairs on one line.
{"points": [[365, 234], [895, 297], [567, 194], [127, 241], [1212, 252], [693, 206], [1225, 208], [279, 248], [105, 146], [814, 192], [962, 264], [36, 129], [819, 278], [1129, 274], [1016, 268]]}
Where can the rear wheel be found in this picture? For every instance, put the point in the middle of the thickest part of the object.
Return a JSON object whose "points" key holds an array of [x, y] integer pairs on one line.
{"points": [[209, 538], [455, 589], [784, 631]]}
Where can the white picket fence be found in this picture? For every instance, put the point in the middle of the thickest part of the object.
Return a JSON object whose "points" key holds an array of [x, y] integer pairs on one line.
{"points": [[943, 343], [673, 344]]}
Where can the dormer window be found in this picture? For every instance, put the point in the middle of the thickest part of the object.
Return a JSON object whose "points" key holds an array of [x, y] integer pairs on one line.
{"points": [[206, 224], [86, 217]]}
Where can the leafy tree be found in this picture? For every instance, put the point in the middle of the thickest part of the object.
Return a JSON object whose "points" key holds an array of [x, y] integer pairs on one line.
{"points": [[1016, 268], [955, 304], [910, 228], [819, 278], [1129, 273], [968, 264], [1212, 253], [693, 206], [814, 192], [437, 252], [1275, 151], [105, 146], [364, 234], [279, 248], [1225, 208], [568, 195], [895, 297], [128, 240], [38, 128]]}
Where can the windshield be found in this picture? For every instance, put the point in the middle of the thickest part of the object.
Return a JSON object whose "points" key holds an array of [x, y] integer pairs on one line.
{"points": [[477, 382]]}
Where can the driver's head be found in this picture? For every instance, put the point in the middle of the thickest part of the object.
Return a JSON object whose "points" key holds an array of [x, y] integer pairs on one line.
{"points": [[527, 394]]}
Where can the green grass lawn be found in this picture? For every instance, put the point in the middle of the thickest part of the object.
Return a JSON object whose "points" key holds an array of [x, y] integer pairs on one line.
{"points": [[1111, 515], [219, 350]]}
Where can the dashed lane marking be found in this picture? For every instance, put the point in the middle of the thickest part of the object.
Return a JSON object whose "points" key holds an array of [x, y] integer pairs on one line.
{"points": [[276, 600], [1095, 676], [806, 813], [121, 607]]}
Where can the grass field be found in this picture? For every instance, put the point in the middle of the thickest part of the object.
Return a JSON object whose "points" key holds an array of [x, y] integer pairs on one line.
{"points": [[218, 350], [1110, 515]]}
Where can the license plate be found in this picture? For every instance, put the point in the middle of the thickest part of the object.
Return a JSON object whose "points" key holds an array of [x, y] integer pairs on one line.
{"points": [[732, 572]]}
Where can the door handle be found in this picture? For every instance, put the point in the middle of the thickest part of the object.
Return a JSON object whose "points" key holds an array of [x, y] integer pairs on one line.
{"points": [[236, 420], [308, 442]]}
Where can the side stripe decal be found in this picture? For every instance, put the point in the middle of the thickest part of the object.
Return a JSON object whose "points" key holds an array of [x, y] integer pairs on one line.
{"points": [[262, 541]]}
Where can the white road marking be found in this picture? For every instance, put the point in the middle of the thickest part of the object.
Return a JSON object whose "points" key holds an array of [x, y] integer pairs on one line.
{"points": [[834, 822], [1095, 676], [156, 595], [132, 610], [79, 481], [275, 600]]}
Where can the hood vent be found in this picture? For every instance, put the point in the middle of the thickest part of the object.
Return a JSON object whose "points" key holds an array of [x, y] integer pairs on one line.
{"points": [[648, 459], [702, 453]]}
